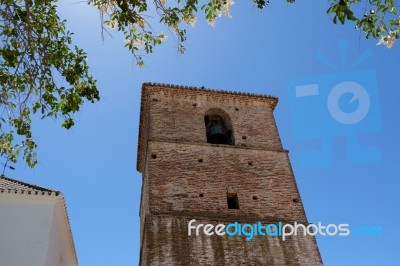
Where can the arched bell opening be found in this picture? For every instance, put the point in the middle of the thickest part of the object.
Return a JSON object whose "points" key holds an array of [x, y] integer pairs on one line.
{"points": [[218, 127]]}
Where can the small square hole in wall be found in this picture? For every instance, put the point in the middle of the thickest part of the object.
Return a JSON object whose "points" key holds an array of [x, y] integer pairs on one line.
{"points": [[154, 156], [155, 100], [201, 195], [233, 201], [250, 163], [255, 198], [200, 160], [244, 137], [195, 104], [295, 200], [237, 109]]}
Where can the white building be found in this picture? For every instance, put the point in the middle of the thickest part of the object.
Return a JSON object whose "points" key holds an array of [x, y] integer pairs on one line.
{"points": [[34, 226]]}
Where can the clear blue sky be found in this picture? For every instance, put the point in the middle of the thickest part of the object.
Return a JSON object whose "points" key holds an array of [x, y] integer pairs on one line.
{"points": [[268, 52]]}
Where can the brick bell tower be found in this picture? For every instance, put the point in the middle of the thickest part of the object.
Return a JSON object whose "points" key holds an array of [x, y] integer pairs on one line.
{"points": [[216, 157]]}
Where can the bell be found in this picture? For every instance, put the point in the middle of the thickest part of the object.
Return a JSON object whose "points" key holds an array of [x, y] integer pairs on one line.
{"points": [[217, 135]]}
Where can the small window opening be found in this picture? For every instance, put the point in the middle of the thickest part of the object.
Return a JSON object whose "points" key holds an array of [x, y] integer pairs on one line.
{"points": [[154, 156], [233, 202], [295, 200], [195, 104], [255, 198], [250, 163], [244, 137], [200, 160], [201, 195], [237, 109]]}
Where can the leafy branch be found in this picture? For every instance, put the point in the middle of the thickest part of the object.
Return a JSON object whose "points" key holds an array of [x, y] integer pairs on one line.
{"points": [[36, 51], [42, 73]]}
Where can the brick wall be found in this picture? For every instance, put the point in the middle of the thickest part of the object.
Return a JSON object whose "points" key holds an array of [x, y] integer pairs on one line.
{"points": [[182, 119], [178, 115], [167, 243], [184, 177]]}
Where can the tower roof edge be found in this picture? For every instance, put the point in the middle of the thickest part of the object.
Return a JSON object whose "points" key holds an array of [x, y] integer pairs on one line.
{"points": [[273, 100]]}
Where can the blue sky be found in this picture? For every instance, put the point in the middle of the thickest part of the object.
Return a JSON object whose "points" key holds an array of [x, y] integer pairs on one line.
{"points": [[268, 52]]}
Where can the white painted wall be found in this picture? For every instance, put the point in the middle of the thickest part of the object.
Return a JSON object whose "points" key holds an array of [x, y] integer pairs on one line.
{"points": [[31, 232], [57, 253]]}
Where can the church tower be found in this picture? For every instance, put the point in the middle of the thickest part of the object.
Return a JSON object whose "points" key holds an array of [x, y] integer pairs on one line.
{"points": [[215, 157]]}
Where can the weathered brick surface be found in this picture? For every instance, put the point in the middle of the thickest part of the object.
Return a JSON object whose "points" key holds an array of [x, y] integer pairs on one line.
{"points": [[176, 178], [178, 115], [184, 177], [167, 243]]}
